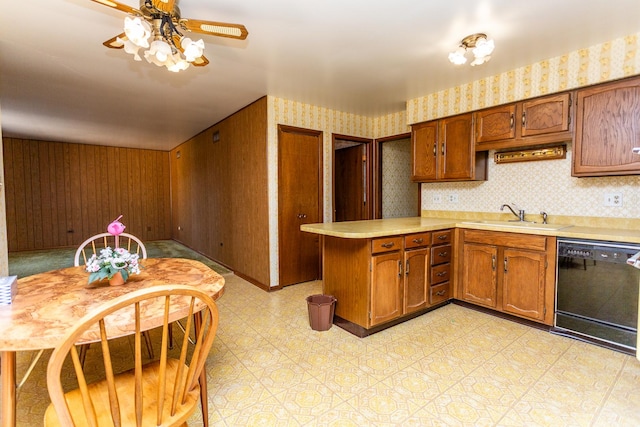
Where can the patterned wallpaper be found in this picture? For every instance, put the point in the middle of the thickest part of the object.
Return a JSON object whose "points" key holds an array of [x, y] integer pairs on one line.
{"points": [[399, 194], [533, 185]]}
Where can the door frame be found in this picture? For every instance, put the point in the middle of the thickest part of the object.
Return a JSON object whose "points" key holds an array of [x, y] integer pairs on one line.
{"points": [[368, 150], [377, 174], [318, 134]]}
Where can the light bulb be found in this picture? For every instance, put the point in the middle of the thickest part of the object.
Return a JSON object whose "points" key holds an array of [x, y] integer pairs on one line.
{"points": [[192, 50], [158, 52], [137, 30], [130, 47], [458, 57], [483, 47]]}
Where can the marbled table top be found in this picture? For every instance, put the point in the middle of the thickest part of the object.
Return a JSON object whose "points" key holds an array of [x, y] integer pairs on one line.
{"points": [[47, 304]]}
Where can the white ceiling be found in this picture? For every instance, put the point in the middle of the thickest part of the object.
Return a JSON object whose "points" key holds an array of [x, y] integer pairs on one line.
{"points": [[57, 81]]}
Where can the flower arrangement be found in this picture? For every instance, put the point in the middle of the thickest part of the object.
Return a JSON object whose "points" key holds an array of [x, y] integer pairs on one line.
{"points": [[111, 261]]}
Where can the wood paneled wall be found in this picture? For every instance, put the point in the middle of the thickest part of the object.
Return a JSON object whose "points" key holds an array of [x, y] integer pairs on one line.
{"points": [[58, 194], [220, 196]]}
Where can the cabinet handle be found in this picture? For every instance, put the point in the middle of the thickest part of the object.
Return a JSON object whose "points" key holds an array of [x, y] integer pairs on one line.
{"points": [[443, 254], [442, 273], [524, 119], [442, 236], [387, 245], [511, 121], [418, 241], [435, 149], [443, 148], [399, 268], [441, 293], [505, 264], [493, 262], [406, 268]]}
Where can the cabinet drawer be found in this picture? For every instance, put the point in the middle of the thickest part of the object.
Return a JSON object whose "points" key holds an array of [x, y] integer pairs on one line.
{"points": [[440, 254], [441, 237], [417, 240], [439, 293], [386, 244], [440, 273]]}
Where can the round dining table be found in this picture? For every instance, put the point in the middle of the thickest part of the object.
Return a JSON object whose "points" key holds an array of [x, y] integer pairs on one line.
{"points": [[47, 304]]}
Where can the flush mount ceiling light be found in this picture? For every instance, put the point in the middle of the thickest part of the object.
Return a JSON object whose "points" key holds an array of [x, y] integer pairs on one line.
{"points": [[158, 28], [479, 45]]}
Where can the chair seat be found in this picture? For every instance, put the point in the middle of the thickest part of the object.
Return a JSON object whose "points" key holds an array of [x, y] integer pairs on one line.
{"points": [[125, 386]]}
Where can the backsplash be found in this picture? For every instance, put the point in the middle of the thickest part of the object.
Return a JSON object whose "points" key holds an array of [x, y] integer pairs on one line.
{"points": [[536, 186]]}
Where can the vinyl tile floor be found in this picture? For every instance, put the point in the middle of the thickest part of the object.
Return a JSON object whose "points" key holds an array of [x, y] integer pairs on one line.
{"points": [[451, 367]]}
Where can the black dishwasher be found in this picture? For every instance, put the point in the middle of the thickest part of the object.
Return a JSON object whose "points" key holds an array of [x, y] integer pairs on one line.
{"points": [[597, 293]]}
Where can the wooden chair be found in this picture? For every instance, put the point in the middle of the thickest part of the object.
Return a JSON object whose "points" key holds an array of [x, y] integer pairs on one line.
{"points": [[93, 245], [164, 392]]}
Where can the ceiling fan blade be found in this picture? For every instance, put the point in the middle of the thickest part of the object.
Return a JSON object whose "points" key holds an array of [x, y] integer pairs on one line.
{"points": [[165, 6], [113, 43], [221, 29], [117, 5], [200, 62]]}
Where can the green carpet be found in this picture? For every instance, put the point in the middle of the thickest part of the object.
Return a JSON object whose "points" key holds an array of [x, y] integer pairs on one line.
{"points": [[23, 264]]}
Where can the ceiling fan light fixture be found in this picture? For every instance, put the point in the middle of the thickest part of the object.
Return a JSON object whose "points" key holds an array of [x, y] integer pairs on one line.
{"points": [[176, 63], [480, 46], [130, 47], [137, 30], [192, 50], [158, 52]]}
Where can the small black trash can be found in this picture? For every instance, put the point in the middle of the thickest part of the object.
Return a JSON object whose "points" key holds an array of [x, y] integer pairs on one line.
{"points": [[321, 309]]}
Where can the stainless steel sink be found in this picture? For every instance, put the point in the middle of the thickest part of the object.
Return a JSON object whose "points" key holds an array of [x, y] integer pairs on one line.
{"points": [[519, 224]]}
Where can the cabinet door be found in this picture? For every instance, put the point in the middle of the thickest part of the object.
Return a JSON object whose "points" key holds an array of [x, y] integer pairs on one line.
{"points": [[386, 292], [479, 275], [495, 124], [424, 144], [545, 115], [456, 148], [607, 130], [523, 287], [416, 284]]}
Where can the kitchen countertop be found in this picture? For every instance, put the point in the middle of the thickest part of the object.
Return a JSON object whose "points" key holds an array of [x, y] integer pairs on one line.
{"points": [[394, 226]]}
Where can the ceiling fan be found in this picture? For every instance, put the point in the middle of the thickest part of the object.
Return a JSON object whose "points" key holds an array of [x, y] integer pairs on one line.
{"points": [[158, 27]]}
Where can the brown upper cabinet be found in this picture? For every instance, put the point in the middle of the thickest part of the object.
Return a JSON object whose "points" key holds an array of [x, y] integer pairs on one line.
{"points": [[532, 122], [607, 129], [443, 150]]}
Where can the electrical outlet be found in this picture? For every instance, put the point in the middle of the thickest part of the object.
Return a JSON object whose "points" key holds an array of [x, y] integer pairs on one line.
{"points": [[437, 198], [613, 199], [453, 198]]}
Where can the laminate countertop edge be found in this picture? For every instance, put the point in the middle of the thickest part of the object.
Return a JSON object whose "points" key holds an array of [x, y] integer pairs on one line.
{"points": [[397, 226]]}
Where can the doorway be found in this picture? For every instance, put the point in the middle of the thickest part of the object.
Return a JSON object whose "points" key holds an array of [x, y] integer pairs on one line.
{"points": [[299, 202], [351, 178], [396, 195]]}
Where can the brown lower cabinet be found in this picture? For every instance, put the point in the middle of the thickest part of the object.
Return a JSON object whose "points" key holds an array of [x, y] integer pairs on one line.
{"points": [[380, 280], [508, 272]]}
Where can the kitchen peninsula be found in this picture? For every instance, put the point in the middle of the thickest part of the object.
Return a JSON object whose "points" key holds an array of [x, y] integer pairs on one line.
{"points": [[385, 271]]}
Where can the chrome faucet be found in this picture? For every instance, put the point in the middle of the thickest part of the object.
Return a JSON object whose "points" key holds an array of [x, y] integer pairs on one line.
{"points": [[520, 213]]}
